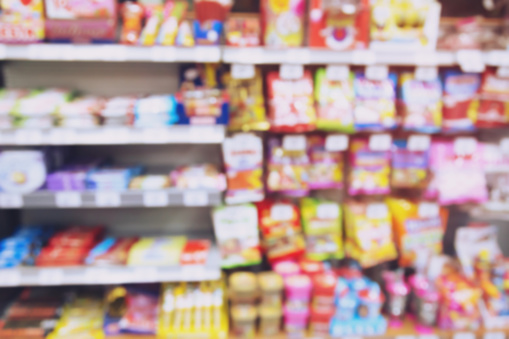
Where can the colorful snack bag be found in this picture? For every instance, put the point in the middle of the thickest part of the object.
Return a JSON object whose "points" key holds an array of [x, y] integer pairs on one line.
{"points": [[174, 13], [421, 104], [247, 104], [375, 103], [236, 230], [242, 32], [291, 107], [281, 231], [243, 157], [326, 167], [410, 169], [288, 166], [494, 101], [368, 233], [321, 221], [460, 100], [335, 103], [132, 16], [153, 22], [369, 171], [419, 228], [283, 22]]}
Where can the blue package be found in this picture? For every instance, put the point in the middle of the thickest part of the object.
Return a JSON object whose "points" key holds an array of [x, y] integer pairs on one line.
{"points": [[358, 327], [100, 249], [155, 111], [207, 33]]}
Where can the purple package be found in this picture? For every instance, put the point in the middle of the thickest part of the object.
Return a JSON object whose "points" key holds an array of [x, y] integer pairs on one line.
{"points": [[67, 180]]}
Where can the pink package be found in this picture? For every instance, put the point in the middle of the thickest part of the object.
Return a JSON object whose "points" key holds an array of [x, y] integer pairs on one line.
{"points": [[295, 319], [286, 268], [326, 167], [298, 287], [458, 172]]}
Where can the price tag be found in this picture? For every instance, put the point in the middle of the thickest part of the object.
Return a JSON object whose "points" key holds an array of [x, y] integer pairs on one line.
{"points": [[463, 335], [406, 337], [428, 336], [63, 136], [297, 55], [380, 142], [327, 211], [113, 53], [155, 199], [428, 210], [363, 57], [163, 53], [193, 272], [3, 52], [336, 143], [68, 199], [50, 276], [9, 200], [107, 199], [294, 142], [377, 211], [156, 135], [10, 277], [377, 72], [504, 145], [118, 135], [465, 146], [337, 72], [426, 73], [419, 143], [242, 71], [494, 335], [281, 212], [291, 72], [471, 60], [426, 59], [503, 72], [28, 137], [148, 274], [195, 198]]}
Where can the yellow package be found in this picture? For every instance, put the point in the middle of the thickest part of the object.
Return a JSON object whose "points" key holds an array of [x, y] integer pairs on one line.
{"points": [[369, 233], [418, 227], [156, 251]]}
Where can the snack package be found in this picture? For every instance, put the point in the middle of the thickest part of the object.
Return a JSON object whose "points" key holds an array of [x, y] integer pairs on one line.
{"points": [[236, 230], [335, 103], [195, 252], [132, 15], [369, 171], [291, 106], [205, 177], [243, 158], [410, 169], [283, 22], [420, 104], [8, 99], [326, 167], [155, 111], [174, 12], [247, 104], [281, 230], [375, 103], [110, 251], [22, 171], [494, 101], [321, 221], [419, 228], [369, 233], [153, 21], [242, 32], [156, 251], [460, 100], [287, 170], [141, 312], [22, 21]]}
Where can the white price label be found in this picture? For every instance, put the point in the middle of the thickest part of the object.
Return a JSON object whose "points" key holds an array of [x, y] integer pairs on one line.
{"points": [[113, 53], [97, 275], [419, 143], [337, 72], [9, 200], [118, 135], [281, 212], [494, 335], [297, 55], [336, 142], [242, 71], [428, 210], [503, 72], [10, 277], [327, 211], [426, 59], [291, 72], [426, 73], [504, 145], [156, 135], [377, 211], [68, 199], [409, 336], [50, 276], [465, 146], [463, 335], [163, 53], [192, 272], [107, 199], [294, 142], [155, 199], [428, 336], [28, 137], [195, 198], [63, 136], [380, 142], [363, 57], [148, 274], [377, 72], [471, 60]]}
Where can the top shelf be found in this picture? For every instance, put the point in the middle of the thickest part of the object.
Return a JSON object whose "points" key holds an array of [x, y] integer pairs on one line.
{"points": [[249, 55]]}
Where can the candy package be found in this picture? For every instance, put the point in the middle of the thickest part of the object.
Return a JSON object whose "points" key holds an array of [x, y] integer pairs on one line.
{"points": [[419, 228], [281, 230], [242, 32], [141, 312], [174, 12], [321, 221], [283, 22], [369, 171], [198, 177], [335, 103], [156, 251], [369, 233], [155, 111], [291, 106], [132, 15], [375, 103], [236, 230], [82, 112], [410, 169], [243, 158], [326, 167], [460, 100], [420, 104], [494, 101]]}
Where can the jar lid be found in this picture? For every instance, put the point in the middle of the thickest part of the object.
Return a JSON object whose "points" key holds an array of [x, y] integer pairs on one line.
{"points": [[270, 281], [243, 282]]}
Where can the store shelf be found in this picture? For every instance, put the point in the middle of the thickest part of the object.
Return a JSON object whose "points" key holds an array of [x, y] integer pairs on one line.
{"points": [[111, 199], [178, 134], [109, 53], [90, 275]]}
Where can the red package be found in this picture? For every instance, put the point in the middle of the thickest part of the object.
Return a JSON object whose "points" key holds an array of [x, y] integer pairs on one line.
{"points": [[195, 252], [494, 101], [281, 230], [141, 314], [132, 16], [78, 236], [461, 92], [311, 267], [319, 321], [117, 254], [291, 105]]}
